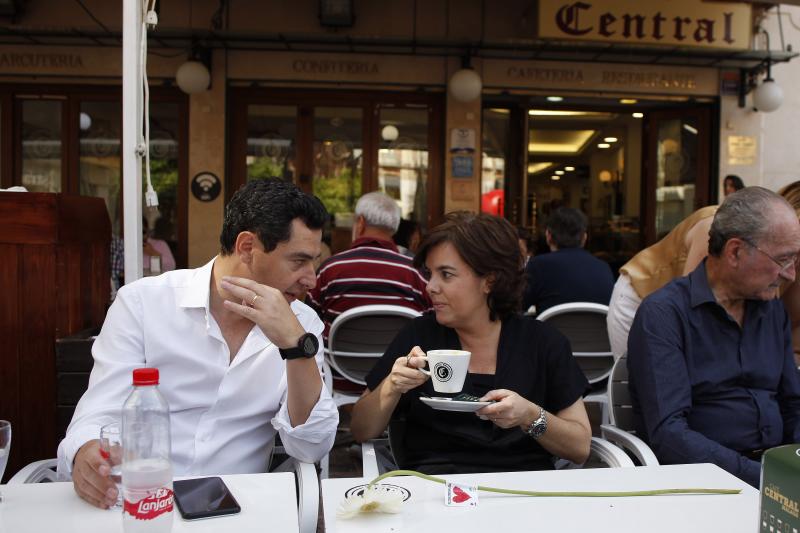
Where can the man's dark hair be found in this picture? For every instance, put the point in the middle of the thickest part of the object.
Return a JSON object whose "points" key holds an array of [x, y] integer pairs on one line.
{"points": [[567, 227], [488, 244], [267, 207]]}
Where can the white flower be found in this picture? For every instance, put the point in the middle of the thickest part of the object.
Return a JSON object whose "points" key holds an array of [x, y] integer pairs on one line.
{"points": [[378, 499]]}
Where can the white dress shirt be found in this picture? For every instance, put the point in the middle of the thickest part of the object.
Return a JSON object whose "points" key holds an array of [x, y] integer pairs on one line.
{"points": [[223, 414]]}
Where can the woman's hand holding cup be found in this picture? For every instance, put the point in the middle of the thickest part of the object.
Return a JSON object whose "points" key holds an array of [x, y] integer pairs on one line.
{"points": [[405, 374], [508, 410]]}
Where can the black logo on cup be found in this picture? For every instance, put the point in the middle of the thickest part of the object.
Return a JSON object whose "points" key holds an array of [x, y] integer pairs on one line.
{"points": [[443, 372]]}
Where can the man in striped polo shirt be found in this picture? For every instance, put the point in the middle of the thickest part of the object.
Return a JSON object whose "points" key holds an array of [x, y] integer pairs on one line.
{"points": [[371, 271]]}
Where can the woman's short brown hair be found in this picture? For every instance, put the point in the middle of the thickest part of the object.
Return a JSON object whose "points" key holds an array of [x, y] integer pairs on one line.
{"points": [[488, 244]]}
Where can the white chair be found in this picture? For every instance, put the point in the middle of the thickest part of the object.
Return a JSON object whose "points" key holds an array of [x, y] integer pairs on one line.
{"points": [[43, 471], [621, 428], [359, 336], [584, 325]]}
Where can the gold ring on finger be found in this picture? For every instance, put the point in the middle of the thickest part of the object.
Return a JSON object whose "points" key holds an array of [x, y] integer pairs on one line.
{"points": [[253, 301]]}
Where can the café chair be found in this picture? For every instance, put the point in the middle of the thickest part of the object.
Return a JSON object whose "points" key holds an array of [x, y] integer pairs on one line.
{"points": [[43, 471], [375, 452], [584, 325], [359, 336], [621, 430]]}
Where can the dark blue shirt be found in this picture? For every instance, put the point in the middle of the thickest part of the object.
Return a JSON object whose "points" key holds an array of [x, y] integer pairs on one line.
{"points": [[706, 389], [565, 276]]}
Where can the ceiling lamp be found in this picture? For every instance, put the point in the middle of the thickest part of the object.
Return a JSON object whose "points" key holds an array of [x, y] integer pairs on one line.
{"points": [[192, 77], [390, 133], [465, 85]]}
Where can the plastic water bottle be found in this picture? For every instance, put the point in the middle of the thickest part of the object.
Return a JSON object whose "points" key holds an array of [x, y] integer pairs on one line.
{"points": [[146, 467]]}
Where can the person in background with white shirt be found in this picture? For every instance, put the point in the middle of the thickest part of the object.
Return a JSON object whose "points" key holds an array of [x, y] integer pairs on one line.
{"points": [[239, 354]]}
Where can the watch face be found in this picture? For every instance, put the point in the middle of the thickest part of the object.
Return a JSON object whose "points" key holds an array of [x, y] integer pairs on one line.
{"points": [[309, 346]]}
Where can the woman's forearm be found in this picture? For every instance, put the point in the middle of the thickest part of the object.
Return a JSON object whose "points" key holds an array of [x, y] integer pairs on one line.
{"points": [[372, 412], [566, 438]]}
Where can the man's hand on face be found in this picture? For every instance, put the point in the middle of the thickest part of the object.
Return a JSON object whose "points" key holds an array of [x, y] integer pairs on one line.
{"points": [[91, 476], [265, 306]]}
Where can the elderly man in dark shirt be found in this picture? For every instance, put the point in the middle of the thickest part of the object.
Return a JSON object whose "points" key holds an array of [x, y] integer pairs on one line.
{"points": [[712, 372]]}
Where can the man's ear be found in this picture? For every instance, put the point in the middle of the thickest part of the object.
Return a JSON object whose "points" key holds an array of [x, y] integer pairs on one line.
{"points": [[488, 282], [245, 246], [733, 250]]}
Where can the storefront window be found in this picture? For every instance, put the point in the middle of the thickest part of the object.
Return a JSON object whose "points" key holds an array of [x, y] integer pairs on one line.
{"points": [[41, 145], [271, 133], [403, 159], [100, 163], [337, 153], [493, 160]]}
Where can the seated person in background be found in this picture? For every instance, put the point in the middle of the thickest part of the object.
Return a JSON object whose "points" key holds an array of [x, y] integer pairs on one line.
{"points": [[675, 255], [407, 237], [524, 365], [712, 374], [239, 355], [731, 184], [569, 273], [371, 271], [155, 247], [526, 244]]}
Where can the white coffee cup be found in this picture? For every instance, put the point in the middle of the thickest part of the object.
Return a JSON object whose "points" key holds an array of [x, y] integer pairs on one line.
{"points": [[448, 369]]}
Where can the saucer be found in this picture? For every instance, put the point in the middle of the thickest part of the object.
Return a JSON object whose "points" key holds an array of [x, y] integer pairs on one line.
{"points": [[448, 404]]}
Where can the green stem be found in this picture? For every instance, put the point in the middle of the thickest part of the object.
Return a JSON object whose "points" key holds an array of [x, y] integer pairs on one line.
{"points": [[613, 494]]}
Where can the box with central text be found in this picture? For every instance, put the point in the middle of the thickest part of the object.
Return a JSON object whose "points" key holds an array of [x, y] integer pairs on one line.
{"points": [[780, 490]]}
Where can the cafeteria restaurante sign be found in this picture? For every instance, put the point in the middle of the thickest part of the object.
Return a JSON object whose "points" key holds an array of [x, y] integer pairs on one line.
{"points": [[676, 22]]}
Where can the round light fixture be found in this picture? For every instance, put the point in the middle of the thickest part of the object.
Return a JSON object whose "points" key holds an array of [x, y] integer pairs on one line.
{"points": [[628, 101], [604, 176], [569, 169], [85, 121], [555, 98], [465, 85], [560, 172], [554, 177], [389, 133], [604, 145], [768, 96], [192, 77], [610, 139], [637, 115]]}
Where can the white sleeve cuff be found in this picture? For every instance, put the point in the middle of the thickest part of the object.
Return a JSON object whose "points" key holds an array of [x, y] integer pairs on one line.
{"points": [[309, 442], [72, 443]]}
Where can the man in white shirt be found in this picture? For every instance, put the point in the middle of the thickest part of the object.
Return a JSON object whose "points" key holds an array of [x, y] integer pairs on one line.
{"points": [[239, 354]]}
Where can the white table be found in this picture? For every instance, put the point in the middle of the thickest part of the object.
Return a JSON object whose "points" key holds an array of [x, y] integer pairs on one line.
{"points": [[268, 503], [426, 511]]}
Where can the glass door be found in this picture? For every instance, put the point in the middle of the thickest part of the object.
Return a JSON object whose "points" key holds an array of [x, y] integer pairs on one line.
{"points": [[678, 167]]}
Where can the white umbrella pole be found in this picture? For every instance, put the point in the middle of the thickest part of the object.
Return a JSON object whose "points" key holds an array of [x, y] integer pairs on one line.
{"points": [[131, 134]]}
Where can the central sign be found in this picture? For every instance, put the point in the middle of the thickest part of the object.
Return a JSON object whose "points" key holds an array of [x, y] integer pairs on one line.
{"points": [[677, 22]]}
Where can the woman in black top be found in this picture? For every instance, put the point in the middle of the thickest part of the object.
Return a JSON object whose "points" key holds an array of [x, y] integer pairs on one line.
{"points": [[525, 366]]}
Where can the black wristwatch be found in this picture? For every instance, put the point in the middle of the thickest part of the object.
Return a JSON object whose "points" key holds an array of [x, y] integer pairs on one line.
{"points": [[307, 346]]}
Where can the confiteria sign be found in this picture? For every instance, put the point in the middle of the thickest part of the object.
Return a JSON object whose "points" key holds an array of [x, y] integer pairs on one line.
{"points": [[674, 22]]}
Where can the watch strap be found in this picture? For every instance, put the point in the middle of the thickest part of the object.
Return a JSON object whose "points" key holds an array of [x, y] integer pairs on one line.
{"points": [[307, 346]]}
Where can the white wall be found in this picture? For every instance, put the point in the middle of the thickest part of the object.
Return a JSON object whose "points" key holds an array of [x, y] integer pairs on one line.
{"points": [[777, 133]]}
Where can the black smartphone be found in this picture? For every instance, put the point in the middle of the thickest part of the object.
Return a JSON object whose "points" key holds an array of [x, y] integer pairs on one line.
{"points": [[204, 497]]}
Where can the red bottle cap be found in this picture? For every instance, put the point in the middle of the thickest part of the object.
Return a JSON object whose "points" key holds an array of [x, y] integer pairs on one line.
{"points": [[145, 376]]}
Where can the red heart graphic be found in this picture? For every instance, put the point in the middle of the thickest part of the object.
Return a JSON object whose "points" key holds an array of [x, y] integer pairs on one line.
{"points": [[460, 495]]}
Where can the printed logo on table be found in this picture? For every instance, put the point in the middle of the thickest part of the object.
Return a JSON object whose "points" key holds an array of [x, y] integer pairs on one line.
{"points": [[358, 490], [158, 503], [443, 371]]}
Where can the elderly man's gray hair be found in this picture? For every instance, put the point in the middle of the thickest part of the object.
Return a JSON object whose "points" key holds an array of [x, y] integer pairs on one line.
{"points": [[379, 211], [744, 214]]}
